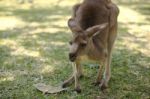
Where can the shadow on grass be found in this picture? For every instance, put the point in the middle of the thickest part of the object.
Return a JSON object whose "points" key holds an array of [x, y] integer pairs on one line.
{"points": [[130, 72], [42, 15], [141, 6], [5, 53]]}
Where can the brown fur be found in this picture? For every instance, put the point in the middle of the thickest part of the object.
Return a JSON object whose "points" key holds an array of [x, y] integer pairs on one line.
{"points": [[94, 27]]}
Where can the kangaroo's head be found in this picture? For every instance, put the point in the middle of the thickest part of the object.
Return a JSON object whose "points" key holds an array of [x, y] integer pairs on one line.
{"points": [[81, 37]]}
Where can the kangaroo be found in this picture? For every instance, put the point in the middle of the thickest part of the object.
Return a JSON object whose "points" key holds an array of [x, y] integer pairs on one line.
{"points": [[94, 28]]}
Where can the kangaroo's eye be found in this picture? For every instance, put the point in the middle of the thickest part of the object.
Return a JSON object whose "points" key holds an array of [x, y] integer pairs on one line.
{"points": [[83, 44], [70, 42]]}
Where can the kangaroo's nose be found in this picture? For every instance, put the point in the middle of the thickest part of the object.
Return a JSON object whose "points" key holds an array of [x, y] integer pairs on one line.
{"points": [[72, 56]]}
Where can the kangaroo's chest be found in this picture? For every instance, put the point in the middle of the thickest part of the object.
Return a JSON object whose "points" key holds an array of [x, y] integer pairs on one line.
{"points": [[88, 58]]}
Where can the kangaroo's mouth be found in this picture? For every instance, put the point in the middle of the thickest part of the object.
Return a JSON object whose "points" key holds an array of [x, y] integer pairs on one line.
{"points": [[72, 59]]}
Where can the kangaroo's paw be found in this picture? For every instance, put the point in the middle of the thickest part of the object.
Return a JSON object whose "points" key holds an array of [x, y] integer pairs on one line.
{"points": [[65, 84], [96, 83], [68, 82], [78, 89], [103, 85]]}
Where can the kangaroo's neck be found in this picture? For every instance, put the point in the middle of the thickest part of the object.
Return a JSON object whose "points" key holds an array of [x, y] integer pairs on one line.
{"points": [[91, 48], [94, 50]]}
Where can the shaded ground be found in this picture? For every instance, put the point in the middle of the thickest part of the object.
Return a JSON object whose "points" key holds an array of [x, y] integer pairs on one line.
{"points": [[34, 46]]}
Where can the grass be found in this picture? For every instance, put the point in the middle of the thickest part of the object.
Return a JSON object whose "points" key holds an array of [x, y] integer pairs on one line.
{"points": [[34, 48]]}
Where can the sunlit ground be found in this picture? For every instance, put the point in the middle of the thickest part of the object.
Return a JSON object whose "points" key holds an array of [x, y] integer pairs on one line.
{"points": [[34, 46]]}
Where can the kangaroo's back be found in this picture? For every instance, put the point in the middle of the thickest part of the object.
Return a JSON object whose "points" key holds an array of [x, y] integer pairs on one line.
{"points": [[92, 12]]}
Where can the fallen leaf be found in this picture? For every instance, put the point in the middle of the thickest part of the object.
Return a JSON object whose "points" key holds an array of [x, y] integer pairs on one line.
{"points": [[48, 88]]}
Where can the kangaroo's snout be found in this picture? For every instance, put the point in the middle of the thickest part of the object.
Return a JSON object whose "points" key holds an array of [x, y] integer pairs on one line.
{"points": [[72, 57]]}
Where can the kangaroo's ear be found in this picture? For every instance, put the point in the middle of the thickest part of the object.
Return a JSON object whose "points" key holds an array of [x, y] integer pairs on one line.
{"points": [[74, 26], [94, 29]]}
